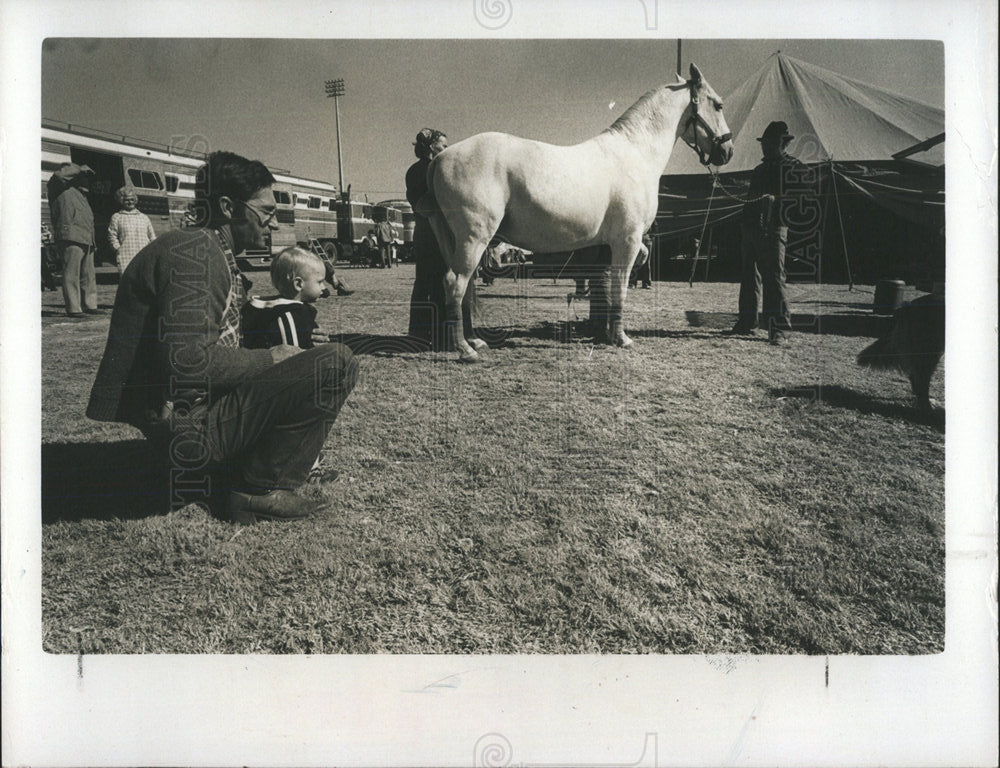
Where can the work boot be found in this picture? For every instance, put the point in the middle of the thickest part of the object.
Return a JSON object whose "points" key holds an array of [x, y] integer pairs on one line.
{"points": [[280, 504], [742, 328]]}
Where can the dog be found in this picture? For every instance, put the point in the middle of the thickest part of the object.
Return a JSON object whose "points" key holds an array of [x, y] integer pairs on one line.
{"points": [[914, 345]]}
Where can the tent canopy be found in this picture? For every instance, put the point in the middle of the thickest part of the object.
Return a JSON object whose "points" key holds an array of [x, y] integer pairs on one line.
{"points": [[831, 116]]}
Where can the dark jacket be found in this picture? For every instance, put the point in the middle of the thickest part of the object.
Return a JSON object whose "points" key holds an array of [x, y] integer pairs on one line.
{"points": [[162, 343], [72, 218], [781, 182], [416, 188]]}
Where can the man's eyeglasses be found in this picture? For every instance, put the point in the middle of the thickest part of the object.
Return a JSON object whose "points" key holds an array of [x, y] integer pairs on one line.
{"points": [[264, 218]]}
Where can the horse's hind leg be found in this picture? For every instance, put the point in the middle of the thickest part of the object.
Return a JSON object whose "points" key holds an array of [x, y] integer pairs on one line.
{"points": [[454, 291], [623, 256], [616, 305]]}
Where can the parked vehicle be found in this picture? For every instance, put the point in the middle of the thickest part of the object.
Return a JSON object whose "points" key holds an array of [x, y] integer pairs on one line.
{"points": [[310, 212]]}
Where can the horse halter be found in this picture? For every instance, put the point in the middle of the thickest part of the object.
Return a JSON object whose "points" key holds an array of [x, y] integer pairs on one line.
{"points": [[696, 119]]}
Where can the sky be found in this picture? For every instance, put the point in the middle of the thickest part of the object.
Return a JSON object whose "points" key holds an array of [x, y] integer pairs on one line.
{"points": [[265, 99]]}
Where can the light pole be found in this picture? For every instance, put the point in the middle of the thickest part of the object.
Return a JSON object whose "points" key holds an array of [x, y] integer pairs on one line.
{"points": [[335, 89]]}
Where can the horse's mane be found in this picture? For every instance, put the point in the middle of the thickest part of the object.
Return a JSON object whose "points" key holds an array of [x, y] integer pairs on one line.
{"points": [[645, 115]]}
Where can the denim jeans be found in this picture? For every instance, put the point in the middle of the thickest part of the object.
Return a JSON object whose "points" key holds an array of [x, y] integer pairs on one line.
{"points": [[264, 434]]}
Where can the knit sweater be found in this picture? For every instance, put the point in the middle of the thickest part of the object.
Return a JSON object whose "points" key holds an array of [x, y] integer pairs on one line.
{"points": [[163, 340], [129, 232]]}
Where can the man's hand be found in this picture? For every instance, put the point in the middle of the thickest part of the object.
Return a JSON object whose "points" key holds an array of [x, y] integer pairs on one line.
{"points": [[283, 352], [321, 335]]}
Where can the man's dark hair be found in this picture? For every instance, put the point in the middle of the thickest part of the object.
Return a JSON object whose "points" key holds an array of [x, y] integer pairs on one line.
{"points": [[226, 174]]}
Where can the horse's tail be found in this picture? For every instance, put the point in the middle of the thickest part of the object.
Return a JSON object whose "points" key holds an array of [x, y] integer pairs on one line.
{"points": [[436, 218]]}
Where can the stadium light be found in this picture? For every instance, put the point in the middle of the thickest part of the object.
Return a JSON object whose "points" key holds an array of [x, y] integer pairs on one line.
{"points": [[334, 90]]}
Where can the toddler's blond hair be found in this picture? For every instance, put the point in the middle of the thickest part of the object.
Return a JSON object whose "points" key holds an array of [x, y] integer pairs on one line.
{"points": [[288, 265]]}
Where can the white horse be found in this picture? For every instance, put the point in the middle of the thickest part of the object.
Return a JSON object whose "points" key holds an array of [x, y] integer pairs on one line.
{"points": [[544, 198]]}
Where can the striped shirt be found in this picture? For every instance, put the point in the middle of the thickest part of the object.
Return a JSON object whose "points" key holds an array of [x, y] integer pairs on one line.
{"points": [[274, 321], [129, 232]]}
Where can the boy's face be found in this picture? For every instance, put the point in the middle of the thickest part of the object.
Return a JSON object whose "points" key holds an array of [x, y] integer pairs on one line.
{"points": [[310, 282]]}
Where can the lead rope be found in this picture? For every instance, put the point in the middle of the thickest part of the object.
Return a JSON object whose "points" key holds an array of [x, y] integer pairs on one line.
{"points": [[701, 237]]}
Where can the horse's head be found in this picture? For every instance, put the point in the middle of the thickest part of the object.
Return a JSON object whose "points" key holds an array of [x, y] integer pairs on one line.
{"points": [[705, 128]]}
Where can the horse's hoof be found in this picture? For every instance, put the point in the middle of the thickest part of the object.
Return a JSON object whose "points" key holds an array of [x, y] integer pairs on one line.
{"points": [[470, 358], [477, 344]]}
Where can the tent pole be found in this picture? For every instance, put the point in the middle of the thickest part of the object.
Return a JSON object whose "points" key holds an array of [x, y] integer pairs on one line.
{"points": [[840, 218], [708, 252]]}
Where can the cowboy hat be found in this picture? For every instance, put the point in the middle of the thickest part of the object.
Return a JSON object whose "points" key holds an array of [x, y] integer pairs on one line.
{"points": [[776, 130], [70, 171]]}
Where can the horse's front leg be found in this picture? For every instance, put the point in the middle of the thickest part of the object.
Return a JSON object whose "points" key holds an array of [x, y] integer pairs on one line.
{"points": [[454, 291]]}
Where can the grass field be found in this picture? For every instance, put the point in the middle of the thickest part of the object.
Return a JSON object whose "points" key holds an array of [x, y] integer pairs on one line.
{"points": [[695, 494]]}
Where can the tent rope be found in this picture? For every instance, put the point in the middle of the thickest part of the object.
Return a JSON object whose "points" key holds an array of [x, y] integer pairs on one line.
{"points": [[840, 220], [701, 237]]}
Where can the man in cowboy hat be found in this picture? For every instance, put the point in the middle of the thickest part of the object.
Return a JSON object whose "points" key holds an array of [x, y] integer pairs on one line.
{"points": [[765, 235], [73, 230]]}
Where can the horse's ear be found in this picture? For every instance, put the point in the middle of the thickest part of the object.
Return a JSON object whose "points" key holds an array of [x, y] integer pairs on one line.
{"points": [[695, 74]]}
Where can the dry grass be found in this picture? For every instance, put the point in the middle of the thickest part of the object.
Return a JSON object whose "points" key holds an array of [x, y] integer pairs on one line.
{"points": [[697, 493]]}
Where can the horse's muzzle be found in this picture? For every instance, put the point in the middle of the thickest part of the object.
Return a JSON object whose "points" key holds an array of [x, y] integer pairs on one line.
{"points": [[721, 153]]}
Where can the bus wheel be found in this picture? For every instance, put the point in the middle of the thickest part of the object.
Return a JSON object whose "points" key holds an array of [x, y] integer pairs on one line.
{"points": [[331, 251]]}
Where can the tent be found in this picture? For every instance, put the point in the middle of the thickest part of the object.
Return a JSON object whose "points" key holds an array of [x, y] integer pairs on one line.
{"points": [[879, 164]]}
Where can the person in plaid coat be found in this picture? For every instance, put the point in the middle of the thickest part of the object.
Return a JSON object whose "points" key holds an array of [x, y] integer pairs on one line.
{"points": [[173, 367]]}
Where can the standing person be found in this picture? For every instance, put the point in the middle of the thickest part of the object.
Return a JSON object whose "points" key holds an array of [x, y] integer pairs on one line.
{"points": [[73, 229], [49, 260], [174, 368], [764, 231], [129, 230], [427, 301], [489, 265], [383, 235], [642, 272]]}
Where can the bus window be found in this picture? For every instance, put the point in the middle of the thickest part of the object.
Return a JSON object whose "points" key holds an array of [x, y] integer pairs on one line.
{"points": [[172, 182], [144, 179], [314, 202], [281, 196]]}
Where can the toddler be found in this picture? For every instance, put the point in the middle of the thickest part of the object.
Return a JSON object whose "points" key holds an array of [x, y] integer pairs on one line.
{"points": [[289, 317]]}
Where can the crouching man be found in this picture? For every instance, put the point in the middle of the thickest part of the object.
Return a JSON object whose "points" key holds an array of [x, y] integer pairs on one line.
{"points": [[173, 365]]}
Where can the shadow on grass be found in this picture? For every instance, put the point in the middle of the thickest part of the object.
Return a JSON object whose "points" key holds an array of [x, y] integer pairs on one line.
{"points": [[106, 314], [373, 344], [844, 397], [868, 325], [483, 294], [102, 481], [576, 331]]}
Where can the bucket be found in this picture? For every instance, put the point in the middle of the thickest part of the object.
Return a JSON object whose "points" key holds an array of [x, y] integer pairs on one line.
{"points": [[888, 296]]}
